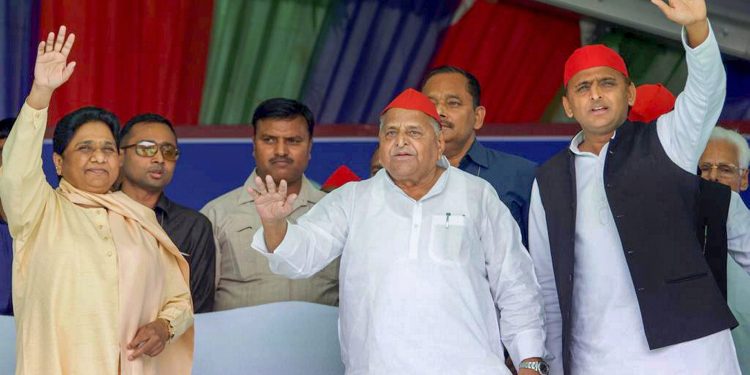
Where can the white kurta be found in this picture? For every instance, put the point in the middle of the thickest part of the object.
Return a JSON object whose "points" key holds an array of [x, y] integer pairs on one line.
{"points": [[607, 335], [738, 277], [420, 279]]}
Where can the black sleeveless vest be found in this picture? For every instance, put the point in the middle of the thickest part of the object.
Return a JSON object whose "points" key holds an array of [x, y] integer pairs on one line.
{"points": [[654, 203]]}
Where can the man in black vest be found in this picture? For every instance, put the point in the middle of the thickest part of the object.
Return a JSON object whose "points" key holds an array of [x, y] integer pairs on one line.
{"points": [[612, 222]]}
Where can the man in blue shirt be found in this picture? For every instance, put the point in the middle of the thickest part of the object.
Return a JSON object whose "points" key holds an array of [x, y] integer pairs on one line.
{"points": [[456, 94], [6, 242]]}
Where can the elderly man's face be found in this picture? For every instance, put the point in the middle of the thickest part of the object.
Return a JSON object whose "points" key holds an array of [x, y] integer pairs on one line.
{"points": [[598, 98], [409, 145], [458, 117], [282, 148], [720, 163]]}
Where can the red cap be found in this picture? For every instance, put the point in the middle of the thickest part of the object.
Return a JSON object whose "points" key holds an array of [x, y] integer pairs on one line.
{"points": [[651, 101], [590, 57], [414, 100], [339, 177]]}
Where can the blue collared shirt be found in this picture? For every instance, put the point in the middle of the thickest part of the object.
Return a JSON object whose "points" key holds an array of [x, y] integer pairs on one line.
{"points": [[510, 175], [6, 264]]}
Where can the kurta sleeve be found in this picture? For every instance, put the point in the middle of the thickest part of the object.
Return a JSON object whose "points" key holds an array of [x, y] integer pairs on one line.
{"points": [[24, 190], [738, 232], [539, 248], [177, 308], [317, 239], [512, 282], [684, 132]]}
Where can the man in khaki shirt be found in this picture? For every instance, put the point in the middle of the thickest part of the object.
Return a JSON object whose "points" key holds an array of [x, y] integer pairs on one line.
{"points": [[282, 145]]}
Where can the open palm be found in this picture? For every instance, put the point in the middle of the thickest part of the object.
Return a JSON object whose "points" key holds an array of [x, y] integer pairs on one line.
{"points": [[52, 68], [272, 204], [683, 12]]}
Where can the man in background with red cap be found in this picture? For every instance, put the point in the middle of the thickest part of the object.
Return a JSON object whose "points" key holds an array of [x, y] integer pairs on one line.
{"points": [[613, 219], [428, 252]]}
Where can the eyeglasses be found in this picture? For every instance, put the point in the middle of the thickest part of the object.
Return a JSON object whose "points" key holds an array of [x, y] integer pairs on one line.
{"points": [[148, 149], [724, 170]]}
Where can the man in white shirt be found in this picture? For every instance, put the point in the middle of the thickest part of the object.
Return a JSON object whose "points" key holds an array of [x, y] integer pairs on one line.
{"points": [[726, 160], [612, 222], [427, 252]]}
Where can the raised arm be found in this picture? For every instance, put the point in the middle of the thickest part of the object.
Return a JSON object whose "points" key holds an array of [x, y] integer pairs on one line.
{"points": [[23, 187], [684, 132]]}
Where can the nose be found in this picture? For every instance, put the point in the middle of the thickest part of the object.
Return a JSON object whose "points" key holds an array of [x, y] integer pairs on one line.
{"points": [[713, 174], [594, 92], [281, 148], [158, 157], [98, 156], [401, 139]]}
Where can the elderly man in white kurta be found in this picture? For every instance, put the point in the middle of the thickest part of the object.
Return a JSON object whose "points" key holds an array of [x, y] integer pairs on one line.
{"points": [[427, 252]]}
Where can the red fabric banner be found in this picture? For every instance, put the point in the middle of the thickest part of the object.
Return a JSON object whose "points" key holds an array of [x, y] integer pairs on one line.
{"points": [[516, 51], [133, 56]]}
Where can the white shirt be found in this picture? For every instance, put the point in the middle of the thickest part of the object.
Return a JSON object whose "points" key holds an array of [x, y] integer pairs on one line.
{"points": [[607, 335], [420, 279]]}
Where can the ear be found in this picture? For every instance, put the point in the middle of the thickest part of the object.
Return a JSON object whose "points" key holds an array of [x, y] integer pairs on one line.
{"points": [[479, 114], [57, 159], [567, 107], [631, 94], [743, 180]]}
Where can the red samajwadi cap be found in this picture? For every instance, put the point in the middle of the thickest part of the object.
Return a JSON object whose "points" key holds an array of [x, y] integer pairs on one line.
{"points": [[339, 177], [414, 100], [651, 101], [590, 57]]}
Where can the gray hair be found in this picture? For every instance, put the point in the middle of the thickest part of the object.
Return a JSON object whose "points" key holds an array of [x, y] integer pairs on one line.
{"points": [[735, 138], [435, 125]]}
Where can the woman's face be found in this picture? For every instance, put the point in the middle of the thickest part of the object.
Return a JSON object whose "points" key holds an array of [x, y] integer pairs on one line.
{"points": [[91, 161]]}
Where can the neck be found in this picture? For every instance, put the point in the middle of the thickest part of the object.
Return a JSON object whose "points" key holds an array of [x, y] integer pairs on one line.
{"points": [[416, 189], [294, 187], [2, 213], [145, 197], [456, 153], [594, 142]]}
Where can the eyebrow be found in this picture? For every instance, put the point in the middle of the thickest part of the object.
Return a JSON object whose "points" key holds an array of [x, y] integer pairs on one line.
{"points": [[90, 142]]}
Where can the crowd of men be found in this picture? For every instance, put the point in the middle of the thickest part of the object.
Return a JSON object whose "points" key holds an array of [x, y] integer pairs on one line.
{"points": [[627, 252]]}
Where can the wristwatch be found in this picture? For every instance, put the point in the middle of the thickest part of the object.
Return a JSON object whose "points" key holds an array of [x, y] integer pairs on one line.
{"points": [[538, 366]]}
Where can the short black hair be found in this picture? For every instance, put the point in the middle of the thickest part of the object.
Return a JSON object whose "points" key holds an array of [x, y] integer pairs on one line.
{"points": [[5, 126], [472, 84], [283, 108], [68, 125], [144, 117]]}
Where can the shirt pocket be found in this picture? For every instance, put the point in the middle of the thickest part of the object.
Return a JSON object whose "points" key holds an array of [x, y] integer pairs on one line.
{"points": [[448, 237]]}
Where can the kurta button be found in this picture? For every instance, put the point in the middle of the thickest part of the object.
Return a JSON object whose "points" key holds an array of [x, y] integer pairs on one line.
{"points": [[570, 277], [106, 238], [631, 252], [641, 289], [109, 253], [611, 152]]}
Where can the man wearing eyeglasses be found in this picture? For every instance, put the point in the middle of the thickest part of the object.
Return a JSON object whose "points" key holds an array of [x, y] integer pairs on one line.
{"points": [[148, 144], [725, 161]]}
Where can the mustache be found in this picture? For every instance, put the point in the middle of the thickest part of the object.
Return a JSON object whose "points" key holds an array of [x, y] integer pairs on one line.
{"points": [[446, 123], [281, 159], [155, 169]]}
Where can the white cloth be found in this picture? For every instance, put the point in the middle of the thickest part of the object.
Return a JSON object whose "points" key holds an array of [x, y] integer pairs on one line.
{"points": [[607, 335], [738, 277], [420, 279]]}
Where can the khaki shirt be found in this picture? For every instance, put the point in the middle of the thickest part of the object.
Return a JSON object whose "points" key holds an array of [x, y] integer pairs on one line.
{"points": [[243, 276]]}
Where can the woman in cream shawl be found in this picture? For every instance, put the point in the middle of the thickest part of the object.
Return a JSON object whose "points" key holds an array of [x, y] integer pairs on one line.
{"points": [[98, 286]]}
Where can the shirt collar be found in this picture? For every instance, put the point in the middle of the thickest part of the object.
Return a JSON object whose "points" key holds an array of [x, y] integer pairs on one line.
{"points": [[479, 154], [578, 139], [163, 204], [434, 190]]}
